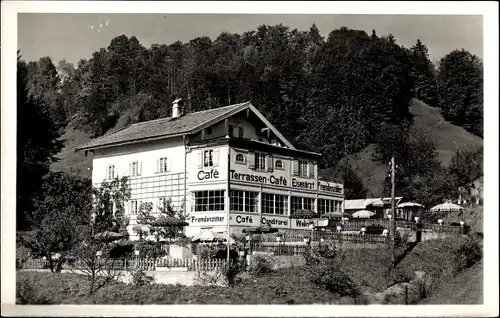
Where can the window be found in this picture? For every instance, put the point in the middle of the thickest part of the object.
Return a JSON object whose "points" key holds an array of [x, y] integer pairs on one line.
{"points": [[240, 158], [205, 201], [327, 206], [162, 165], [301, 203], [274, 204], [243, 201], [162, 203], [111, 172], [260, 161], [302, 168], [208, 159], [233, 130], [279, 164], [133, 207], [134, 169]]}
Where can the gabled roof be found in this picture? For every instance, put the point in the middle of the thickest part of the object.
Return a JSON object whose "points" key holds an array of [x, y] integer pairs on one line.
{"points": [[172, 127]]}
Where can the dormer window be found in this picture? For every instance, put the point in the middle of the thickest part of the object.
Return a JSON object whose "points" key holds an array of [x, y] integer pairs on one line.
{"points": [[240, 158]]}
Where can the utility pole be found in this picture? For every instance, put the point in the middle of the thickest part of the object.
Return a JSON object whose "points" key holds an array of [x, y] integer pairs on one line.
{"points": [[393, 199]]}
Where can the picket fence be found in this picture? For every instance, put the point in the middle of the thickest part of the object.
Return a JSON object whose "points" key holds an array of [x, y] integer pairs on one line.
{"points": [[147, 264]]}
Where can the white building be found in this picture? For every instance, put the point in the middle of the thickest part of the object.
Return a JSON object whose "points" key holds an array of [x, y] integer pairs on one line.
{"points": [[227, 164]]}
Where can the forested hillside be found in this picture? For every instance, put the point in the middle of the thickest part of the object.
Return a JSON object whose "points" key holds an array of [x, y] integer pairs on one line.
{"points": [[336, 95]]}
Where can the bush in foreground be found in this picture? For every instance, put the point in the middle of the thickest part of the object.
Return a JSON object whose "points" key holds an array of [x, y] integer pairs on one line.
{"points": [[261, 265]]}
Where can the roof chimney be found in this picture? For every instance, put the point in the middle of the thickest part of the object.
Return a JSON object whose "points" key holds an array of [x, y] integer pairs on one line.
{"points": [[177, 108]]}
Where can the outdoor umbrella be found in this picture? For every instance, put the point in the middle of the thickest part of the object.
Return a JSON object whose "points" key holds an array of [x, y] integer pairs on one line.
{"points": [[108, 236], [409, 205], [169, 221], [447, 207], [363, 214], [207, 236], [331, 215]]}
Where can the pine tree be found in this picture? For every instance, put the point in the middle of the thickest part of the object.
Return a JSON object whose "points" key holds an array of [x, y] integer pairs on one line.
{"points": [[460, 89], [424, 75], [37, 144]]}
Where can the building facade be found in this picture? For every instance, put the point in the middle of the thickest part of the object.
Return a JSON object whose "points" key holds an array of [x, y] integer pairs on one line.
{"points": [[227, 168]]}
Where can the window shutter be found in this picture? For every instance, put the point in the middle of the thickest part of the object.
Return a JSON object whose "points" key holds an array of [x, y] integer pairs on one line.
{"points": [[295, 167], [158, 165], [240, 131], [167, 162], [215, 157], [269, 163], [140, 168], [310, 165], [200, 159], [251, 160], [116, 172]]}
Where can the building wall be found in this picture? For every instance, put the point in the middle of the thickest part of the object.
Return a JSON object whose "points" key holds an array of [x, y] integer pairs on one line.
{"points": [[224, 174], [147, 154]]}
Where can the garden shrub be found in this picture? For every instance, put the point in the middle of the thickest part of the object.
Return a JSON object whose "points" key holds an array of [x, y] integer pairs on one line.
{"points": [[205, 251], [318, 252], [150, 249], [22, 255], [333, 279], [468, 252], [261, 265], [140, 278], [209, 278]]}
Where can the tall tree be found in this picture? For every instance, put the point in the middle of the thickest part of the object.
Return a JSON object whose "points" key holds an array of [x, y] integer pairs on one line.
{"points": [[424, 74], [58, 214], [415, 156], [37, 144], [460, 88], [465, 167], [44, 86]]}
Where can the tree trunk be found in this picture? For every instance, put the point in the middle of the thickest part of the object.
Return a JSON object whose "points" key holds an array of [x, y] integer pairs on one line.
{"points": [[51, 263]]}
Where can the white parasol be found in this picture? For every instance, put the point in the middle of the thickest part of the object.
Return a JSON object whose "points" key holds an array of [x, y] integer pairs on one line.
{"points": [[363, 214], [409, 205], [207, 236], [447, 207]]}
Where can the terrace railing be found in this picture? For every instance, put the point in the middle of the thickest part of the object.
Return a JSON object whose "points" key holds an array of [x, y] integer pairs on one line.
{"points": [[147, 264]]}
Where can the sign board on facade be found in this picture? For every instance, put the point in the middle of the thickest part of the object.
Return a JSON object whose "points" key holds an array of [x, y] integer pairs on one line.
{"points": [[207, 219], [329, 187]]}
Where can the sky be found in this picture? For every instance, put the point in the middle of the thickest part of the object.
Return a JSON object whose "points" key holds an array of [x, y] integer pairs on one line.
{"points": [[75, 36]]}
